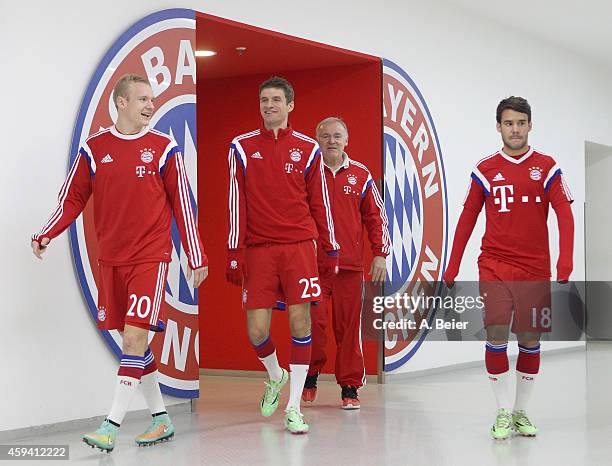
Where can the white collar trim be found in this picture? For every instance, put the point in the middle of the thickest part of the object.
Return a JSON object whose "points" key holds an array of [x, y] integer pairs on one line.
{"points": [[142, 132], [345, 163], [514, 159]]}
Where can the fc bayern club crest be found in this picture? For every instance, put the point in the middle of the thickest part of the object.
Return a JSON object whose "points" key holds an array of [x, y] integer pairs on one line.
{"points": [[416, 206], [161, 48]]}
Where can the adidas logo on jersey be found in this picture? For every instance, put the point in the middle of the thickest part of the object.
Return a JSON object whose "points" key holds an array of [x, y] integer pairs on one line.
{"points": [[499, 177], [107, 159], [256, 155]]}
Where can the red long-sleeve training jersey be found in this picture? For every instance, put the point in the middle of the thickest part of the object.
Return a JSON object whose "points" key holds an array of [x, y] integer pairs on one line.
{"points": [[356, 203], [137, 182], [277, 190], [517, 193]]}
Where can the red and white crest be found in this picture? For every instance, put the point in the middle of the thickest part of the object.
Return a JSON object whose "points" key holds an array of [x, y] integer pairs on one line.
{"points": [[535, 173], [416, 206], [296, 155]]}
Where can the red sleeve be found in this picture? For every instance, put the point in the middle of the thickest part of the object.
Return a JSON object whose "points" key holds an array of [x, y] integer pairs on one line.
{"points": [[375, 220], [560, 199], [236, 200], [471, 209], [318, 199], [177, 189], [72, 199]]}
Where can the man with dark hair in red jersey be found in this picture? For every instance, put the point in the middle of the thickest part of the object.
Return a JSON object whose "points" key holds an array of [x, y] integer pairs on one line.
{"points": [[516, 184], [278, 207]]}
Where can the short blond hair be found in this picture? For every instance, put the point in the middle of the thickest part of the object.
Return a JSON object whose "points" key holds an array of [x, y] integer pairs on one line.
{"points": [[331, 119], [122, 86]]}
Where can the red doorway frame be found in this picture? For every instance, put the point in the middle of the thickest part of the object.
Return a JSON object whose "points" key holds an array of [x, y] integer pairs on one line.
{"points": [[328, 81]]}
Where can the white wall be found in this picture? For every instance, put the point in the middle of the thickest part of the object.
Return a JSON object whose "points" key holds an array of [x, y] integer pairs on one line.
{"points": [[598, 220], [598, 228], [54, 365]]}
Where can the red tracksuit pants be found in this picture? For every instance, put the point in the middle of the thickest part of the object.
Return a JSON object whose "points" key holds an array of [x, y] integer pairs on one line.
{"points": [[344, 293]]}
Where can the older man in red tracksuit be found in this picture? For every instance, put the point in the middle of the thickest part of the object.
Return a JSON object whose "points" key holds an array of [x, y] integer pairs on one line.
{"points": [[356, 203]]}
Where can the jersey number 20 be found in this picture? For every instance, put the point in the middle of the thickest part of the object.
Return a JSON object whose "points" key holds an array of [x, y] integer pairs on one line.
{"points": [[138, 305]]}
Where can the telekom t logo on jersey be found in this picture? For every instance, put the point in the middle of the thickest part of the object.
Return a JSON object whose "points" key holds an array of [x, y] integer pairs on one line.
{"points": [[506, 197], [141, 170]]}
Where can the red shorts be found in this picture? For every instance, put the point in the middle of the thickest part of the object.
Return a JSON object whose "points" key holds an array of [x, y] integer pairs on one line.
{"points": [[511, 294], [277, 272], [132, 294]]}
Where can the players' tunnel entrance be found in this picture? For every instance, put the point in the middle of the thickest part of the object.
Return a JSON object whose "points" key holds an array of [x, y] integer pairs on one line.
{"points": [[328, 81]]}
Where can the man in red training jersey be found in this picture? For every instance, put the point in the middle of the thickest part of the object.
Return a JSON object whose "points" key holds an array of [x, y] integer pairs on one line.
{"points": [[137, 178], [516, 185], [278, 206]]}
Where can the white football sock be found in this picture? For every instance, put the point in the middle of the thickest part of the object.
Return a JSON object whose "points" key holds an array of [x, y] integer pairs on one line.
{"points": [[124, 391], [128, 379], [500, 383], [296, 384], [149, 386], [524, 387], [270, 362]]}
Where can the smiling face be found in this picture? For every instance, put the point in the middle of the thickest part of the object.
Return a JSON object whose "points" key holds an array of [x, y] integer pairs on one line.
{"points": [[514, 129], [274, 108], [136, 108], [333, 138]]}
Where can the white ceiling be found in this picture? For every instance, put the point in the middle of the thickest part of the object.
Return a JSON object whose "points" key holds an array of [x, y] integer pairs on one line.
{"points": [[584, 27]]}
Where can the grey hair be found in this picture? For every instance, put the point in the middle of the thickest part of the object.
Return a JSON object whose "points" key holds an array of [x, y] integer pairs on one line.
{"points": [[332, 119]]}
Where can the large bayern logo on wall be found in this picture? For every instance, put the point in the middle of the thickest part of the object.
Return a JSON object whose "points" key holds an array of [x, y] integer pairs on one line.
{"points": [[160, 47], [416, 205]]}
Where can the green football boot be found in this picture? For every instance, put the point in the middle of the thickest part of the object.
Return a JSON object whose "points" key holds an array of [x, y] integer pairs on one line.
{"points": [[523, 425], [269, 400], [502, 428], [294, 421], [160, 430], [103, 438]]}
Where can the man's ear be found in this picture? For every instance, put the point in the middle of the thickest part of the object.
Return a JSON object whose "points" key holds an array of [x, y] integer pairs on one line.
{"points": [[121, 102]]}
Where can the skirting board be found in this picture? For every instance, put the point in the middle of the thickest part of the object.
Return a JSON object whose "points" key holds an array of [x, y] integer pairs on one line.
{"points": [[83, 424], [398, 378], [374, 379], [370, 379]]}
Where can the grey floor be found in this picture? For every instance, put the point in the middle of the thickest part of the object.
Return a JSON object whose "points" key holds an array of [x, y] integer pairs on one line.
{"points": [[440, 419]]}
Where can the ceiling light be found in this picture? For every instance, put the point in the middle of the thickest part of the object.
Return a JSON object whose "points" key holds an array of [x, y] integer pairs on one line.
{"points": [[205, 53]]}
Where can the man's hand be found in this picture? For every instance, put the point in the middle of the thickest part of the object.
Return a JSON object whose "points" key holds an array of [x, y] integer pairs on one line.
{"points": [[449, 279], [330, 266], [199, 275], [378, 269], [39, 248], [236, 267], [563, 273]]}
